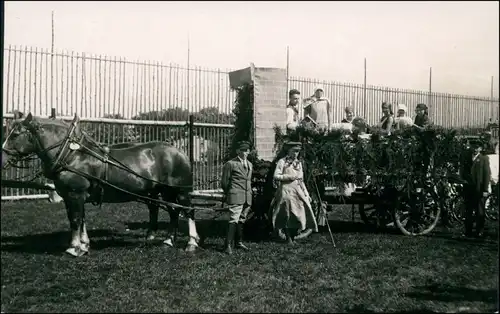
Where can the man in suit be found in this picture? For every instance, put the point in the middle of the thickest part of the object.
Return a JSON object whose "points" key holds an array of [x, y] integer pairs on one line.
{"points": [[236, 184], [476, 172]]}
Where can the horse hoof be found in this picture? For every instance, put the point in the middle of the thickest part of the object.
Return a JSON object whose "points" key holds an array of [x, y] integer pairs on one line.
{"points": [[168, 242], [75, 251], [85, 247], [190, 248]]}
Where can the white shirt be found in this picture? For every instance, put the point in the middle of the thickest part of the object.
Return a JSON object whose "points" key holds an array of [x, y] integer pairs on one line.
{"points": [[291, 121], [403, 122], [244, 162]]}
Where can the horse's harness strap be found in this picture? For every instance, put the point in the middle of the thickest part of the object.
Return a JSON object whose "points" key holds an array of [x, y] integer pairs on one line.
{"points": [[60, 154]]}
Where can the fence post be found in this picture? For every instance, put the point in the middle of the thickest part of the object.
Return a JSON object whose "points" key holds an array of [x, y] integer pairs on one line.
{"points": [[364, 92], [191, 140], [429, 101]]}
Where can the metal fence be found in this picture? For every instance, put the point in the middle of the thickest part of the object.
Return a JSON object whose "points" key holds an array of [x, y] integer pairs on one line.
{"points": [[92, 86], [119, 100], [447, 110]]}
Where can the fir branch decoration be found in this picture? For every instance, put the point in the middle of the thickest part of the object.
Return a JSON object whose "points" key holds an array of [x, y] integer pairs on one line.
{"points": [[243, 124], [335, 158]]}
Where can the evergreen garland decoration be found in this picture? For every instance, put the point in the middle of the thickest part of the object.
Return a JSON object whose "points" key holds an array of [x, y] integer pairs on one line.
{"points": [[243, 124], [394, 160]]}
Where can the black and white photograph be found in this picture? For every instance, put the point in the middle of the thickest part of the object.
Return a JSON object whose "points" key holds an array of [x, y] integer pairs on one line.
{"points": [[250, 156]]}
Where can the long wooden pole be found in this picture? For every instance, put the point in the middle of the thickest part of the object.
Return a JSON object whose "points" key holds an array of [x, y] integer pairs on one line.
{"points": [[430, 88], [491, 88], [188, 65], [52, 65], [287, 73], [364, 91]]}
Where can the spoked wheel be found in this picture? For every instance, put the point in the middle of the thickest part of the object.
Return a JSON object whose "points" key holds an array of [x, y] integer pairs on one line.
{"points": [[417, 212], [302, 234], [491, 207], [458, 209], [452, 205], [376, 215], [454, 209]]}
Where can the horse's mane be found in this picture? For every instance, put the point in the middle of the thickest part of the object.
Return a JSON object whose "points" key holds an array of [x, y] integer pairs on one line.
{"points": [[52, 122]]}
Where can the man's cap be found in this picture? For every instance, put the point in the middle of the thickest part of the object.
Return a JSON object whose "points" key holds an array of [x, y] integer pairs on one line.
{"points": [[293, 145]]}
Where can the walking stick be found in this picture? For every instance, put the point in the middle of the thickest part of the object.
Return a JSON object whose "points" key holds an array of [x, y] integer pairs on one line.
{"points": [[324, 213]]}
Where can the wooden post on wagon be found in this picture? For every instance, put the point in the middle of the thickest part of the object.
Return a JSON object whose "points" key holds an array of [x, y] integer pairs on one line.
{"points": [[52, 113]]}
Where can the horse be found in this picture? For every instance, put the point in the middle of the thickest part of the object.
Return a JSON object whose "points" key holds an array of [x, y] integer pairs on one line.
{"points": [[84, 171]]}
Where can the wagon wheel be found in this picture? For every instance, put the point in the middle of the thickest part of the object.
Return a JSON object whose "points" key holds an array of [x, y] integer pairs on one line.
{"points": [[376, 215], [457, 209], [417, 212], [453, 210], [491, 207]]}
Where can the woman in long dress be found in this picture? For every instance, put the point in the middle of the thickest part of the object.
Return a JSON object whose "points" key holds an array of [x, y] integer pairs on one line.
{"points": [[291, 206]]}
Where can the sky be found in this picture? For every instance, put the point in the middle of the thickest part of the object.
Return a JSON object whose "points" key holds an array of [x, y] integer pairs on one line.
{"points": [[327, 40]]}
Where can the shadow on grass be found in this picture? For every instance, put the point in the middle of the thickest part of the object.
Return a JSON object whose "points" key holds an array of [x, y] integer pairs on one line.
{"points": [[364, 309], [57, 242], [489, 240], [258, 230], [445, 293]]}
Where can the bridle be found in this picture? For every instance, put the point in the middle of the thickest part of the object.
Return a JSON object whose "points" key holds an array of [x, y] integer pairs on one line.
{"points": [[34, 137]]}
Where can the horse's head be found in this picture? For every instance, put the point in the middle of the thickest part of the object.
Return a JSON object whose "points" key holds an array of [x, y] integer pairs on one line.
{"points": [[34, 135], [18, 140]]}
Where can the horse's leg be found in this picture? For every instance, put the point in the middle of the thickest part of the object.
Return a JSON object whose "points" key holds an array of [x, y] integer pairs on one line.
{"points": [[153, 221], [194, 238], [173, 227], [75, 207], [84, 237]]}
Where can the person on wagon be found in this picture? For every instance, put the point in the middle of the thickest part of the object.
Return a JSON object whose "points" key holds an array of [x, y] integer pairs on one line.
{"points": [[475, 170], [387, 120], [291, 207], [422, 117], [349, 115], [402, 120], [236, 184], [318, 108], [292, 110]]}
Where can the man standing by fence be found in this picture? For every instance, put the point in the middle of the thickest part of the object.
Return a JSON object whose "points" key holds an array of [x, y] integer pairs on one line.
{"points": [[236, 183], [318, 108]]}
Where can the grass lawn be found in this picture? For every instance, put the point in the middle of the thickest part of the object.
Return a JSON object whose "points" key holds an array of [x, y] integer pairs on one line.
{"points": [[367, 272]]}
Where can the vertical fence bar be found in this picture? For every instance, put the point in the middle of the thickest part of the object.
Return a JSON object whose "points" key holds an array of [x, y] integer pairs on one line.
{"points": [[34, 83], [7, 82], [191, 139], [115, 111], [91, 75], [429, 101], [364, 90]]}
